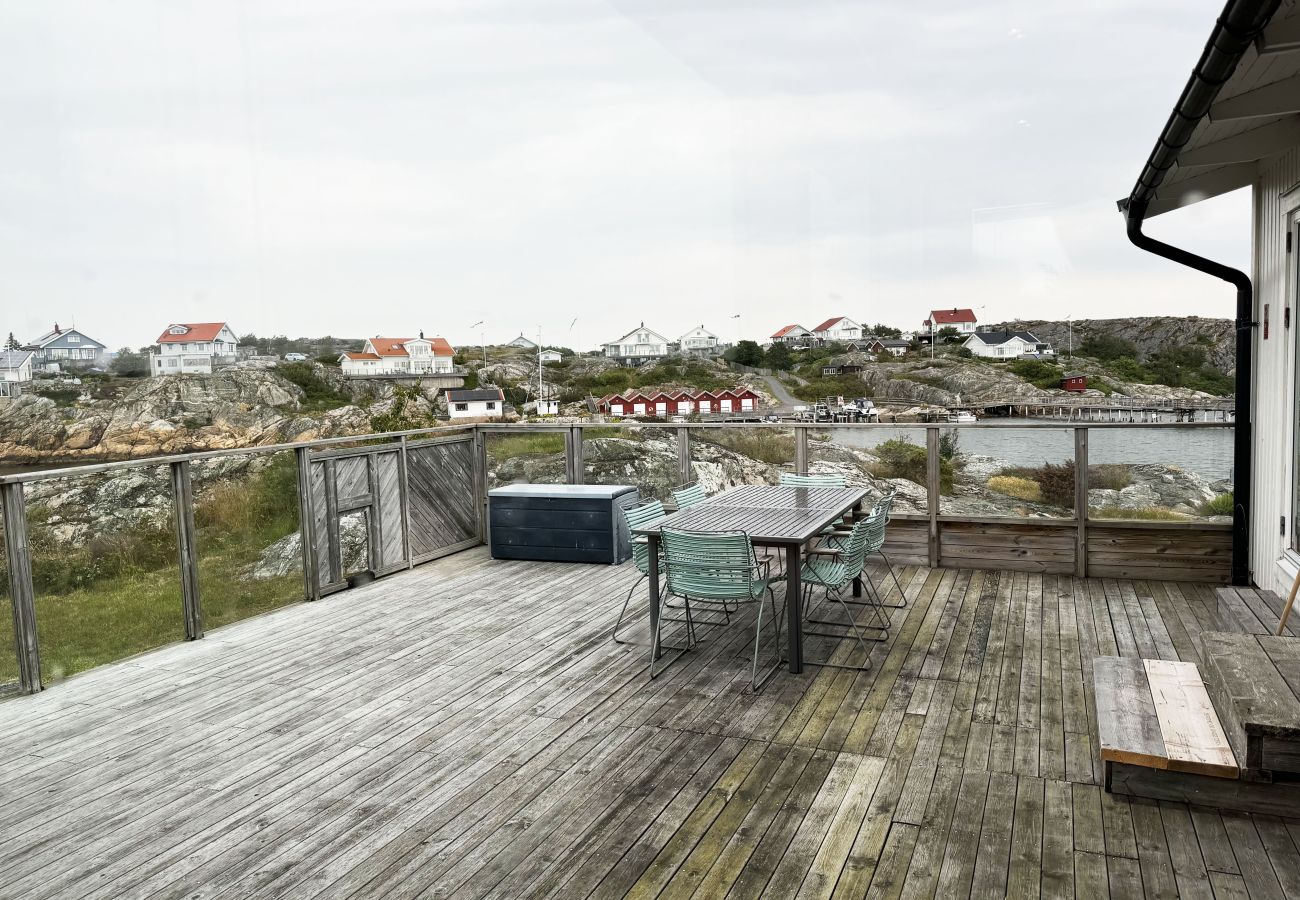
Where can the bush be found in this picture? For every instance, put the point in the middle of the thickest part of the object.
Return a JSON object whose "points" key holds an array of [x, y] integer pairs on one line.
{"points": [[1038, 373], [317, 394], [1013, 486], [1221, 505], [1107, 347], [900, 458], [1055, 481], [1112, 477]]}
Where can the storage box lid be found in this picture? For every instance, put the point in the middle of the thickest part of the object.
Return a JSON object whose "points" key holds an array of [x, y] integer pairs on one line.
{"points": [[567, 491]]}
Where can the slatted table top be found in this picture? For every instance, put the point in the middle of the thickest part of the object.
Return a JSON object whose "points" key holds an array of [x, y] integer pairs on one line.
{"points": [[765, 512]]}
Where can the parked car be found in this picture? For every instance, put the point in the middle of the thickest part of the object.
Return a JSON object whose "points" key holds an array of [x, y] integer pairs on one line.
{"points": [[295, 357]]}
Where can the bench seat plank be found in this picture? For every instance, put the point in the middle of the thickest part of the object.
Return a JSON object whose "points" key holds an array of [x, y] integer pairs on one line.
{"points": [[1194, 739]]}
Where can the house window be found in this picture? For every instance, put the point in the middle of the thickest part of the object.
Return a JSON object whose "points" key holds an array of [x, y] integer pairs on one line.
{"points": [[73, 339], [491, 405], [462, 407]]}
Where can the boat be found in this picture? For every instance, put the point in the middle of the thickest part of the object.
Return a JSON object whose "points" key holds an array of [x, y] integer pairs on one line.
{"points": [[962, 417]]}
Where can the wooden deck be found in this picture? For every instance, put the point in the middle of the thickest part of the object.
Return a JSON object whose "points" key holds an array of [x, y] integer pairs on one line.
{"points": [[467, 729]]}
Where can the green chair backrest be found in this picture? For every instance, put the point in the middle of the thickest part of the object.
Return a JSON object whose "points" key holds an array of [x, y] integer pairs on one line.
{"points": [[689, 496], [867, 536], [886, 501], [635, 518], [790, 479], [709, 565]]}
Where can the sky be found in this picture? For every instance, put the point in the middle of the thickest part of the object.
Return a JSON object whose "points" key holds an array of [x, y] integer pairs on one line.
{"points": [[571, 168]]}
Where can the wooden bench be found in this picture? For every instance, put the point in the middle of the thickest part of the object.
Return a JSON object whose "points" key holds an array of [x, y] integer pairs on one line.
{"points": [[1156, 714]]}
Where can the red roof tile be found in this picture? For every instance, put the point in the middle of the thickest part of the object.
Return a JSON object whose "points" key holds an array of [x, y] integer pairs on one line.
{"points": [[441, 347], [826, 326], [786, 330], [198, 331]]}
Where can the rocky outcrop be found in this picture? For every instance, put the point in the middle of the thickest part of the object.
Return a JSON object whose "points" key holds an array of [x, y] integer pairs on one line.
{"points": [[179, 414], [284, 557], [1150, 334]]}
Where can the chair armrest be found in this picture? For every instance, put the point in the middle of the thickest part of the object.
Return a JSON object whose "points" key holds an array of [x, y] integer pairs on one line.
{"points": [[824, 551]]}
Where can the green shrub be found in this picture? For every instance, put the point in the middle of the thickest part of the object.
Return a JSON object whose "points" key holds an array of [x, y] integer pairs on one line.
{"points": [[1151, 513], [768, 445], [1221, 505], [317, 394], [900, 458], [1056, 481], [1038, 373]]}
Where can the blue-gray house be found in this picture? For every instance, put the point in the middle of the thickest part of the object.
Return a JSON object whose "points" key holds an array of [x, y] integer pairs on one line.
{"points": [[66, 348]]}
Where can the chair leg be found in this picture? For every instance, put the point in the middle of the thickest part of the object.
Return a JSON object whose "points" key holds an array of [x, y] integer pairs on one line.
{"points": [[623, 611], [901, 593], [754, 683], [654, 639]]}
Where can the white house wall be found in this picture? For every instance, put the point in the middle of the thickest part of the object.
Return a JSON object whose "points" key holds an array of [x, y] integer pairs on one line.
{"points": [[1274, 377]]}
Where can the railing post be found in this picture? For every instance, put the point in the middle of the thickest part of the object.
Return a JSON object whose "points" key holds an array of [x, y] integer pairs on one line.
{"points": [[187, 550], [933, 486], [801, 449], [684, 454], [26, 642], [1081, 502], [307, 525], [480, 482], [403, 491], [573, 462]]}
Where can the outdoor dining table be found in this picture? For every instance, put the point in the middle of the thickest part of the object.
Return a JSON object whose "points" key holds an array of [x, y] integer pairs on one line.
{"points": [[786, 518]]}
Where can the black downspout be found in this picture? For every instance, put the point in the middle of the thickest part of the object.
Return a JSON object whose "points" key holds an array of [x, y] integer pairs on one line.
{"points": [[1243, 438]]}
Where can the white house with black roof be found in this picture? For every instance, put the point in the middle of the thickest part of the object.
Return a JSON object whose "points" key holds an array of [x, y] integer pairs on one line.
{"points": [[1007, 345], [15, 371], [476, 403]]}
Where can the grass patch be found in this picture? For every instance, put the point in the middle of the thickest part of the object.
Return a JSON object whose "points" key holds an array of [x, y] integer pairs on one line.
{"points": [[1221, 505], [1020, 488], [503, 447], [766, 445], [1149, 513]]}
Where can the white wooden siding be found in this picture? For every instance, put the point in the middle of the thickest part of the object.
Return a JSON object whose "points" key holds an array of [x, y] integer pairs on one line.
{"points": [[1274, 376]]}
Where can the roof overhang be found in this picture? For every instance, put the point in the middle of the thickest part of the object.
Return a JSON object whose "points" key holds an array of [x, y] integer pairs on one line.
{"points": [[1240, 107]]}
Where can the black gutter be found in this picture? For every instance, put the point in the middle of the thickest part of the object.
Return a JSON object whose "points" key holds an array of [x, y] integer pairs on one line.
{"points": [[1241, 23]]}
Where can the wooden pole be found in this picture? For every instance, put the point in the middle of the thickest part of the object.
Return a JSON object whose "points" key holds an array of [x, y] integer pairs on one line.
{"points": [[1081, 502], [187, 549], [933, 487], [20, 587]]}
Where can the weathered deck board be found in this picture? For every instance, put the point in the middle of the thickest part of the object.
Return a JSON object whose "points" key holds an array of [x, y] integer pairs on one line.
{"points": [[467, 729]]}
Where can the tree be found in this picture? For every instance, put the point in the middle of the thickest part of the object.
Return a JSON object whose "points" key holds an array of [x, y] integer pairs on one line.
{"points": [[882, 330], [778, 356], [12, 343], [130, 363], [747, 353], [948, 333]]}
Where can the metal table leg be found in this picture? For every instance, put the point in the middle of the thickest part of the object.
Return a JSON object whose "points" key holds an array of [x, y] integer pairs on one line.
{"points": [[652, 547], [793, 610]]}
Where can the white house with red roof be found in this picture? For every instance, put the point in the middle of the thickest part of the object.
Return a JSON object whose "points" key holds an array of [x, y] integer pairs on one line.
{"points": [[838, 330], [400, 357], [793, 336], [194, 348], [961, 319]]}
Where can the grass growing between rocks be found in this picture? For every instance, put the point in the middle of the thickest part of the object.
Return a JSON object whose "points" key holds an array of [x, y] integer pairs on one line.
{"points": [[767, 445], [1147, 513], [119, 593], [1219, 506], [503, 447], [1020, 488]]}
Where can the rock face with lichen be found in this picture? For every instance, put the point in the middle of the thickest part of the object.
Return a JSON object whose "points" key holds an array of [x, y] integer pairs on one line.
{"points": [[178, 414]]}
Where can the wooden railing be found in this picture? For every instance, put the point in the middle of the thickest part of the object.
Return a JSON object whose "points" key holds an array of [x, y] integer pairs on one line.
{"points": [[424, 494]]}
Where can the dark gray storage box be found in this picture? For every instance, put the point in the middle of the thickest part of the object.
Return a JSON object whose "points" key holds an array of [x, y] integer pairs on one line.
{"points": [[560, 522]]}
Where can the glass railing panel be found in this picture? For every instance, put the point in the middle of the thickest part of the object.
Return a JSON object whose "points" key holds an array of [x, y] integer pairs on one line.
{"points": [[880, 457], [734, 455], [645, 457], [249, 544], [994, 471], [1166, 473], [104, 567], [524, 457]]}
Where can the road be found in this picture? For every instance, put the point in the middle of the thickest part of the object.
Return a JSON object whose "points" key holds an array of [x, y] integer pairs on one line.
{"points": [[783, 396]]}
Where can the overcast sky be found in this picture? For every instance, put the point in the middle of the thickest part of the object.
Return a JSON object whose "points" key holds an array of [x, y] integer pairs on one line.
{"points": [[333, 166]]}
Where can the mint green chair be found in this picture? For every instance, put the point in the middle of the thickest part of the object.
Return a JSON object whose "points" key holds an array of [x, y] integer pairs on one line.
{"points": [[635, 518], [790, 479], [691, 495], [833, 568], [722, 568]]}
